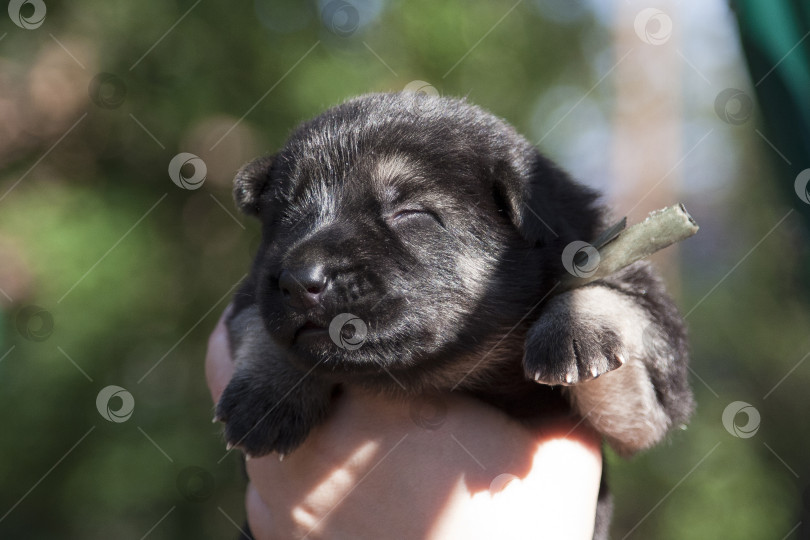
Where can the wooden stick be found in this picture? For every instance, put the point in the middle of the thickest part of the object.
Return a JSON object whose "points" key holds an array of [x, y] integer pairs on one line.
{"points": [[623, 247]]}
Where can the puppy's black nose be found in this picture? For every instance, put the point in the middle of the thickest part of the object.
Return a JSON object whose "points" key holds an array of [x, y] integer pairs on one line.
{"points": [[303, 288]]}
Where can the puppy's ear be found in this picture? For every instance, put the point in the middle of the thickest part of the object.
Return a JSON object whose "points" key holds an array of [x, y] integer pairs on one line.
{"points": [[546, 206], [250, 182]]}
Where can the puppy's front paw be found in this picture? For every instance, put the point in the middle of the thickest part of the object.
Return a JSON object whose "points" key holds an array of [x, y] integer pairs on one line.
{"points": [[259, 419], [565, 351]]}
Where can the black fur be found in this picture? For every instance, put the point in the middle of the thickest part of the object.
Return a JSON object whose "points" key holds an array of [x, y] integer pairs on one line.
{"points": [[442, 230]]}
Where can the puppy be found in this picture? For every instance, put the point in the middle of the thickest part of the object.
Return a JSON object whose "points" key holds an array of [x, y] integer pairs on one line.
{"points": [[414, 243]]}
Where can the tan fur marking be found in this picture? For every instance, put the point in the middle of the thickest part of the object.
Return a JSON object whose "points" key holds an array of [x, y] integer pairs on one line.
{"points": [[621, 404]]}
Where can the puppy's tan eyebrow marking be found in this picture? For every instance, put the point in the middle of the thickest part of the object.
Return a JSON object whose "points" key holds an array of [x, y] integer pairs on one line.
{"points": [[399, 175], [394, 177], [389, 168]]}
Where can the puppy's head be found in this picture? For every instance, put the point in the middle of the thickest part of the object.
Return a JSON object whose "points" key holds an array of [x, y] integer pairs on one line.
{"points": [[403, 230]]}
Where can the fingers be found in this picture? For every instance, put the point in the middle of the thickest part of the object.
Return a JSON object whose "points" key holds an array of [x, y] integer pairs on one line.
{"points": [[258, 514], [218, 362], [505, 466]]}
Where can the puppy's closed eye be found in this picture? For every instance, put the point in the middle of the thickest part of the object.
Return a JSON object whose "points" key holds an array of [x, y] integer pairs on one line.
{"points": [[408, 215]]}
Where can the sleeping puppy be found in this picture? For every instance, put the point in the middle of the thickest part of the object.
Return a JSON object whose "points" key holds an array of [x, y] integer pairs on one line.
{"points": [[413, 243]]}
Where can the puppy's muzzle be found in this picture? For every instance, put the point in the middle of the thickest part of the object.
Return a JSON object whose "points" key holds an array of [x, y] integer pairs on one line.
{"points": [[303, 288]]}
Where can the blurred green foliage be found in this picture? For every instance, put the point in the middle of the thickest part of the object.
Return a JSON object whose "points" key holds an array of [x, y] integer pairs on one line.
{"points": [[134, 270]]}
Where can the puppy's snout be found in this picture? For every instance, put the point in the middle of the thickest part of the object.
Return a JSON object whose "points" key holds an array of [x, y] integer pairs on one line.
{"points": [[303, 288]]}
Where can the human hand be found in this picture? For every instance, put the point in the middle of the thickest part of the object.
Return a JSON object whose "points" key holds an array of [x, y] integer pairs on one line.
{"points": [[444, 466]]}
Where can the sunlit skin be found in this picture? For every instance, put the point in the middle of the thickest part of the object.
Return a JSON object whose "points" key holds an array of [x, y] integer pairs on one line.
{"points": [[371, 472]]}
